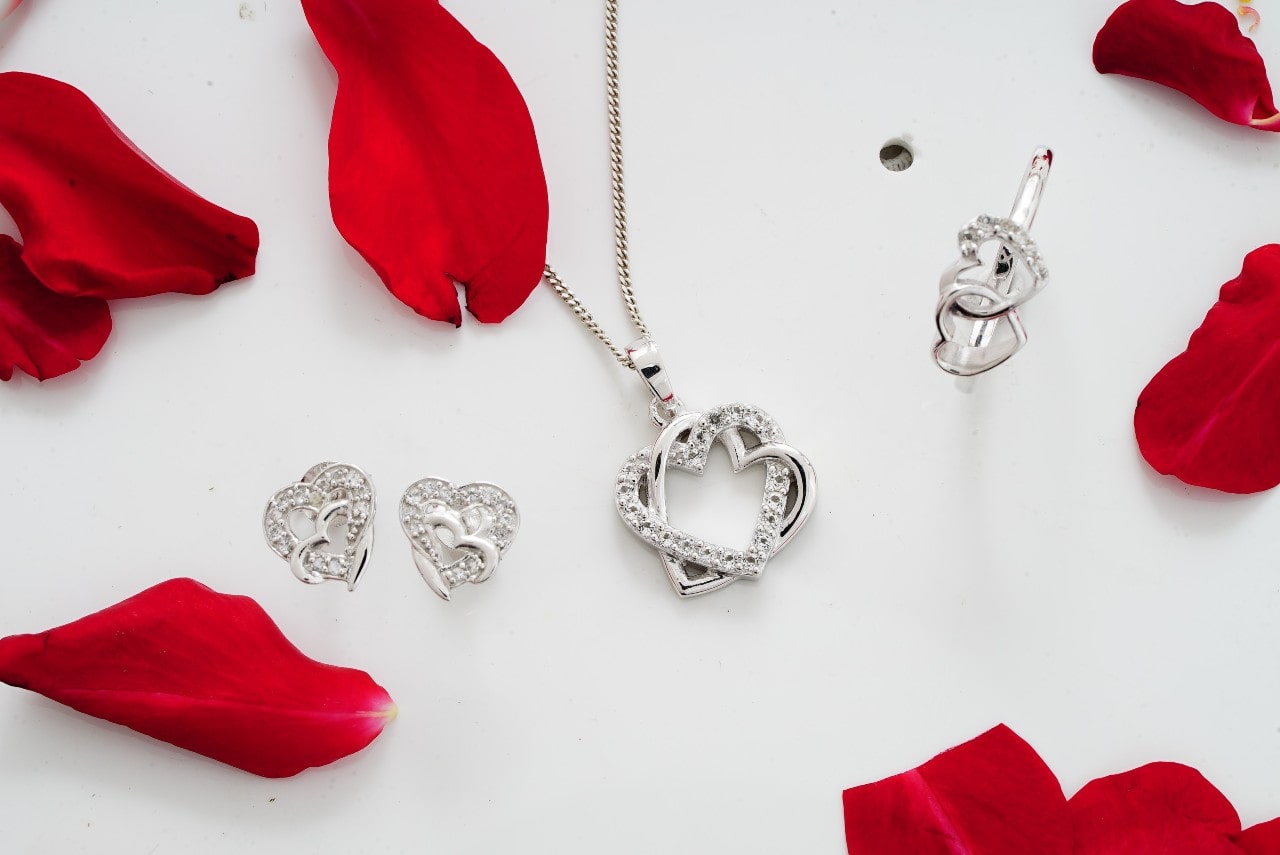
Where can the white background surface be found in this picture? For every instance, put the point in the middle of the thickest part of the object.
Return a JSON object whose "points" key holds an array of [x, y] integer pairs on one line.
{"points": [[1003, 555]]}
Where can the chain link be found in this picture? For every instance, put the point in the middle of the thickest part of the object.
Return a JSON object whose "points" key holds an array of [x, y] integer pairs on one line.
{"points": [[619, 204], [571, 300]]}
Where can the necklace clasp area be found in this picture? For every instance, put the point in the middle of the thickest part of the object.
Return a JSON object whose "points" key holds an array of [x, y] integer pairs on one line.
{"points": [[644, 356]]}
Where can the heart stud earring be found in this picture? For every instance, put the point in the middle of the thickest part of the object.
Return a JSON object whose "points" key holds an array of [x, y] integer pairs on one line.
{"points": [[323, 524], [458, 534], [977, 315]]}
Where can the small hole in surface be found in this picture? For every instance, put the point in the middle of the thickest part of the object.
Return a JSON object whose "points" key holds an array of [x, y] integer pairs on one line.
{"points": [[896, 155]]}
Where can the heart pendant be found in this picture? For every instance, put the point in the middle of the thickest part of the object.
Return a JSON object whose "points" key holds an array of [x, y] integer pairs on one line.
{"points": [[480, 520], [330, 497], [696, 566]]}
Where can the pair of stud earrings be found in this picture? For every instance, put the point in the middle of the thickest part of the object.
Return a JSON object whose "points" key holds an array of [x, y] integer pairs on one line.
{"points": [[323, 526], [977, 314]]}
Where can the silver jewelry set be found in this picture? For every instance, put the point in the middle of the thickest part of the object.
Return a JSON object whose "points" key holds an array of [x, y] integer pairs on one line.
{"points": [[459, 533], [323, 526]]}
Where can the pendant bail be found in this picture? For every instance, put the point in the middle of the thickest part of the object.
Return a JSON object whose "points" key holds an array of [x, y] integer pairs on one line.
{"points": [[644, 355]]}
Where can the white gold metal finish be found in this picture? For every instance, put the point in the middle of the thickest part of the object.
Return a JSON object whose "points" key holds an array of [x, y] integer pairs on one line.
{"points": [[458, 534], [977, 319], [323, 524], [644, 357], [693, 565], [751, 437], [580, 311], [696, 566], [622, 255]]}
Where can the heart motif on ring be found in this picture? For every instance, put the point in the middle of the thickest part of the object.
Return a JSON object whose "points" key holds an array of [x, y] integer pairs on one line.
{"points": [[480, 521], [971, 314], [693, 565], [330, 497]]}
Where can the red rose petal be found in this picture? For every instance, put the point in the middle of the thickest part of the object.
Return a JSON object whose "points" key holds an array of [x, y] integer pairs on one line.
{"points": [[1197, 50], [97, 217], [1161, 807], [1261, 839], [434, 172], [1209, 416], [8, 7], [207, 672], [43, 333], [992, 795]]}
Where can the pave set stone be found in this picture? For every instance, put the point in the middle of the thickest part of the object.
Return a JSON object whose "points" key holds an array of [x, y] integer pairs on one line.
{"points": [[321, 487], [967, 307], [480, 510], [1009, 233], [644, 518]]}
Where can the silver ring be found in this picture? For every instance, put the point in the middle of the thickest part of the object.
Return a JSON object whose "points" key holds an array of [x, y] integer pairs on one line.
{"points": [[977, 314]]}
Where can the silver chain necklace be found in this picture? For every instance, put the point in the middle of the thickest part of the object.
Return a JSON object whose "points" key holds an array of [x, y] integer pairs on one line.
{"points": [[694, 566]]}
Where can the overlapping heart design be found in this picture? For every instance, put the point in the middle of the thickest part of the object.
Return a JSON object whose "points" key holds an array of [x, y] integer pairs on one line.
{"points": [[696, 566], [481, 520], [330, 496], [971, 336]]}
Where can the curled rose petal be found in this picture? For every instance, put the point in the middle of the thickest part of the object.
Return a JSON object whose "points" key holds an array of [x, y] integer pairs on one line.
{"points": [[207, 672], [1208, 417], [43, 333], [1197, 50], [97, 217], [1160, 807], [992, 795], [1251, 15], [434, 172]]}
